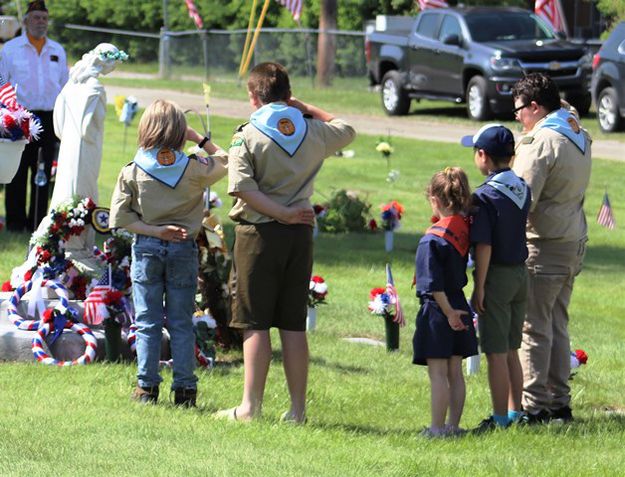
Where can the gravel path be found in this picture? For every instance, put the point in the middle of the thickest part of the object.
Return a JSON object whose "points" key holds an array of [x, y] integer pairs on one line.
{"points": [[405, 126]]}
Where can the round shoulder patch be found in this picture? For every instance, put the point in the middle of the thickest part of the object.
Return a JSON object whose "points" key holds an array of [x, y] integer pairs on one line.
{"points": [[165, 157], [574, 124], [100, 220], [286, 126]]}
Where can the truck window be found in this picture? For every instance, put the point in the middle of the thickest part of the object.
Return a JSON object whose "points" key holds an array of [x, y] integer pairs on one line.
{"points": [[428, 25], [507, 26], [450, 26]]}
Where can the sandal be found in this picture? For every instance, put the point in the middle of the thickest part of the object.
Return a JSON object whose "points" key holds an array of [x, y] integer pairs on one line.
{"points": [[227, 414]]}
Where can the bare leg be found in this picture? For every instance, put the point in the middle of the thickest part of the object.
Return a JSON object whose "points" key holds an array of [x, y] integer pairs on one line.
{"points": [[499, 382], [515, 372], [457, 391], [256, 359], [295, 361], [437, 370]]}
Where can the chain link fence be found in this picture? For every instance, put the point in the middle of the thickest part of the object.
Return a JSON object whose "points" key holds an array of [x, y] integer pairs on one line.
{"points": [[217, 53]]}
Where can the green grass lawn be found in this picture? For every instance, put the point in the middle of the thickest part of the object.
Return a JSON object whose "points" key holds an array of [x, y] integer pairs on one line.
{"points": [[366, 406]]}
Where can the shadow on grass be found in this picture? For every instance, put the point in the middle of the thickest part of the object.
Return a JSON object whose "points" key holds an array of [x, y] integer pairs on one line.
{"points": [[604, 258], [362, 429]]}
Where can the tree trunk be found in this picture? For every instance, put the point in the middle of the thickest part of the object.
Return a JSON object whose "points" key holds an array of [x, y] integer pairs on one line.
{"points": [[326, 45]]}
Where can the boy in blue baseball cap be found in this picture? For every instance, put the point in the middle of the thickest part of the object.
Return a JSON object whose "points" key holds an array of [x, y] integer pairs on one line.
{"points": [[502, 204]]}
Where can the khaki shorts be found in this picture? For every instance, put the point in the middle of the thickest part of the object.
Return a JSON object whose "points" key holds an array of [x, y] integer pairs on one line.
{"points": [[505, 301], [270, 276]]}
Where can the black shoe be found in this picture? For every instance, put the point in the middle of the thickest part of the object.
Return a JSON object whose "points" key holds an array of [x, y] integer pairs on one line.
{"points": [[541, 417], [185, 397], [488, 425], [147, 395], [564, 414]]}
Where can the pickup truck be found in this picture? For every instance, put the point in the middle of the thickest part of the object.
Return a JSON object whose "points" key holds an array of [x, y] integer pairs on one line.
{"points": [[473, 55]]}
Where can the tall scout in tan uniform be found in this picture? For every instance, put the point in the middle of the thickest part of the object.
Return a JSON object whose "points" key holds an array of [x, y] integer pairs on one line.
{"points": [[554, 159], [273, 161]]}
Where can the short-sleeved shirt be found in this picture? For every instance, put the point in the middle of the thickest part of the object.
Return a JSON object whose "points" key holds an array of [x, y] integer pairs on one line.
{"points": [[37, 77], [497, 221], [558, 173], [256, 162], [138, 196], [440, 268]]}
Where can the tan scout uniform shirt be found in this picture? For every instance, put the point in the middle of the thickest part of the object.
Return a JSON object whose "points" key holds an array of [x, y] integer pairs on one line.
{"points": [[257, 163], [558, 174], [138, 196]]}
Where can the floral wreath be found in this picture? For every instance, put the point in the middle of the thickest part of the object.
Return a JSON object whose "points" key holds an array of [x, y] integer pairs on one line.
{"points": [[55, 321]]}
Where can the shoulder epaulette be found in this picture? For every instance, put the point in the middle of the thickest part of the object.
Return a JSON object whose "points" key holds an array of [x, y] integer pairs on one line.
{"points": [[240, 127]]}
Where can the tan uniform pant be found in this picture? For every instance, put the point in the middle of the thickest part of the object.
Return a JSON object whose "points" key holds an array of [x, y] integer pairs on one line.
{"points": [[545, 351]]}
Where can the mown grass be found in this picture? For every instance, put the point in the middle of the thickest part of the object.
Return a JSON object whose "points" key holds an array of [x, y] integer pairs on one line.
{"points": [[366, 406]]}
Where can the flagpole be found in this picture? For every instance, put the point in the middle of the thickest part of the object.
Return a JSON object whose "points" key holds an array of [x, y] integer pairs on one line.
{"points": [[248, 36], [259, 25]]}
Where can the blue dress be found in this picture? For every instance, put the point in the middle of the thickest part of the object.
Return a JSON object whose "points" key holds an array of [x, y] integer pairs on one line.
{"points": [[441, 267]]}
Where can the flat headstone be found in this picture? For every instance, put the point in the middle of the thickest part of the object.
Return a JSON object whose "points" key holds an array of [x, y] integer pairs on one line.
{"points": [[367, 341]]}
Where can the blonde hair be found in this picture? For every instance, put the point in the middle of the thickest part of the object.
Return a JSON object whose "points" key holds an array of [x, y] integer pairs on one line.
{"points": [[162, 125], [451, 187]]}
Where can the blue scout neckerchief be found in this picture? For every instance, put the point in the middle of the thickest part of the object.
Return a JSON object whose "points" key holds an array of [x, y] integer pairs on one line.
{"points": [[283, 124], [163, 164], [563, 122], [510, 185]]}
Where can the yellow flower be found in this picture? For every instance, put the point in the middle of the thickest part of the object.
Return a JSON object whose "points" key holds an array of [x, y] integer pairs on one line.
{"points": [[384, 147], [119, 104]]}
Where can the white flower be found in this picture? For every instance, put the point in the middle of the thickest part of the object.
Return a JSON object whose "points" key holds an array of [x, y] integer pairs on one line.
{"points": [[377, 306], [319, 287], [80, 223]]}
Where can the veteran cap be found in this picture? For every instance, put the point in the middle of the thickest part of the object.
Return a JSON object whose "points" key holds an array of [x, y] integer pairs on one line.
{"points": [[495, 139], [37, 5]]}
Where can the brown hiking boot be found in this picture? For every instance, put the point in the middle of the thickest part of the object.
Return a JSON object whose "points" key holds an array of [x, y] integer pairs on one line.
{"points": [[185, 397], [145, 395]]}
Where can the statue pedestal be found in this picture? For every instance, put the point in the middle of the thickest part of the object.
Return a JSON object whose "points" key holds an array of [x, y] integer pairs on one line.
{"points": [[15, 344]]}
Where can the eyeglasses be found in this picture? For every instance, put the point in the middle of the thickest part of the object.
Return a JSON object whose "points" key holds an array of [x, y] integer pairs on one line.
{"points": [[516, 111]]}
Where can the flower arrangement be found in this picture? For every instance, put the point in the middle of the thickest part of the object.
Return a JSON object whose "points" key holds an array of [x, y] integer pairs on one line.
{"points": [[578, 357], [384, 147], [391, 215], [17, 122], [68, 219], [118, 55], [381, 302], [317, 291], [57, 317]]}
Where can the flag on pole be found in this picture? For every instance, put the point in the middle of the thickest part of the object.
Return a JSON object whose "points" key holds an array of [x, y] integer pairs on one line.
{"points": [[293, 6], [194, 14], [8, 96], [425, 4], [605, 217], [394, 297], [551, 12]]}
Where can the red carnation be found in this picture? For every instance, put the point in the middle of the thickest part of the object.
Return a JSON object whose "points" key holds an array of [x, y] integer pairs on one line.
{"points": [[45, 256], [26, 128], [113, 297], [9, 121], [6, 286], [581, 356], [375, 292], [317, 279]]}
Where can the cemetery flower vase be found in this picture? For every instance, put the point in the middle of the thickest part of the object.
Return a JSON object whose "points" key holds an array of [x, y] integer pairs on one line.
{"points": [[10, 157], [392, 333], [112, 340]]}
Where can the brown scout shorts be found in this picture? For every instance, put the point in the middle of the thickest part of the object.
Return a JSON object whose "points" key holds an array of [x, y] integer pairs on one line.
{"points": [[270, 276]]}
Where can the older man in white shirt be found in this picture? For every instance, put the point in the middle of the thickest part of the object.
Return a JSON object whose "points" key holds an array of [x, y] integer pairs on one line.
{"points": [[37, 67]]}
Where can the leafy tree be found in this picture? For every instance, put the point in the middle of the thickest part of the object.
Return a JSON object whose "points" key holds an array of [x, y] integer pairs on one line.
{"points": [[614, 10]]}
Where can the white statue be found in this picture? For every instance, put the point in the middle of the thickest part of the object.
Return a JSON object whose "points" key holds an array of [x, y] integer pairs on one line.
{"points": [[79, 123]]}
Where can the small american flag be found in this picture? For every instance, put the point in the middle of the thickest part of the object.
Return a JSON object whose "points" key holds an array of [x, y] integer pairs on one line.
{"points": [[605, 217], [425, 4], [8, 96], [194, 13], [95, 307], [293, 6], [394, 297], [551, 12]]}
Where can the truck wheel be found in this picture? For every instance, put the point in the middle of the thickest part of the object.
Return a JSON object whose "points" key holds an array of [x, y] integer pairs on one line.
{"points": [[607, 111], [477, 101], [581, 102], [395, 100]]}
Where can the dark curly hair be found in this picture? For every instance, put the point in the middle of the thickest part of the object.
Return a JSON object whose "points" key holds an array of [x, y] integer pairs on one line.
{"points": [[540, 88]]}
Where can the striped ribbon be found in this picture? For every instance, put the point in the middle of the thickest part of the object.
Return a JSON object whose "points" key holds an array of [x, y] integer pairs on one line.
{"points": [[33, 325], [91, 345]]}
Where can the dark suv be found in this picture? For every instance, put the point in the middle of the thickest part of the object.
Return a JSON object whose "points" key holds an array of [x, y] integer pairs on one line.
{"points": [[608, 81]]}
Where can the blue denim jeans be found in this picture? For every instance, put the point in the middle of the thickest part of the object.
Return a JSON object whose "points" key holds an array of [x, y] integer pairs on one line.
{"points": [[164, 281]]}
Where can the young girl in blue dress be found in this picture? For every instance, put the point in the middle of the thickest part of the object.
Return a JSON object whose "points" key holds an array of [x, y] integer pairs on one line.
{"points": [[445, 333]]}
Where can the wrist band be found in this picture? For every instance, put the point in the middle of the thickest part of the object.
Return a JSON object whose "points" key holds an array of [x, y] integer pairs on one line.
{"points": [[204, 141]]}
